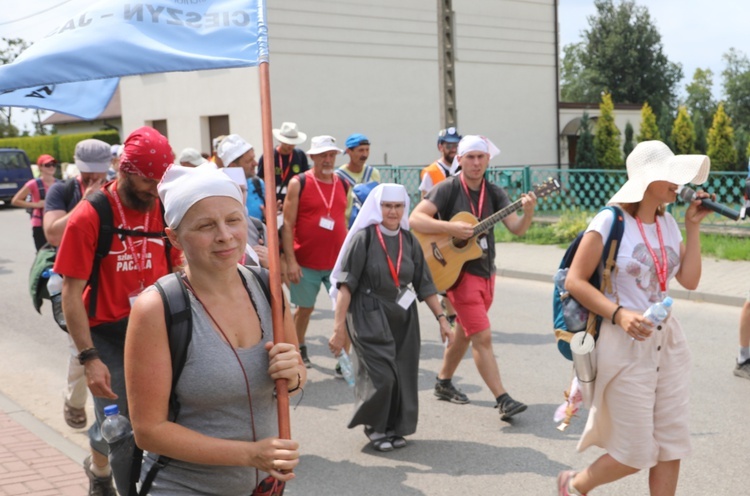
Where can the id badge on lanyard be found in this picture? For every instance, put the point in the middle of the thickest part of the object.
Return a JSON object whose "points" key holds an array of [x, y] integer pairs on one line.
{"points": [[327, 222], [405, 298]]}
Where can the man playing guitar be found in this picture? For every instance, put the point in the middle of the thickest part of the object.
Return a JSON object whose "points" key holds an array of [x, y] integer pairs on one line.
{"points": [[473, 292]]}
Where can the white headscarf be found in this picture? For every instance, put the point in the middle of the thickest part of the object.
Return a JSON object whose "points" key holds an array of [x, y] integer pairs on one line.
{"points": [[371, 213], [473, 143], [182, 187]]}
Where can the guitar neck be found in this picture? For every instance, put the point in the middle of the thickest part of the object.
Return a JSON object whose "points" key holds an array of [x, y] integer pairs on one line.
{"points": [[493, 219]]}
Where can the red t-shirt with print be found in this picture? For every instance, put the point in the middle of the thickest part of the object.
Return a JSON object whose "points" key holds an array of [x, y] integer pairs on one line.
{"points": [[119, 275]]}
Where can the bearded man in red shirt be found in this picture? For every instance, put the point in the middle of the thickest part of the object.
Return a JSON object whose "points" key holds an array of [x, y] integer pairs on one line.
{"points": [[98, 292]]}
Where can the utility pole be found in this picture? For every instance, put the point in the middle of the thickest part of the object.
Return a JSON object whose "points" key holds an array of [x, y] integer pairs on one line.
{"points": [[447, 64]]}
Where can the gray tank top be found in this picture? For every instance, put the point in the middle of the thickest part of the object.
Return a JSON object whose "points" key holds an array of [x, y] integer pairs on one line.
{"points": [[213, 401]]}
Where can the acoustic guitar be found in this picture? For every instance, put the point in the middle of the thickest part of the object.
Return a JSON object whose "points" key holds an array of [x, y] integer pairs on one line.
{"points": [[446, 255]]}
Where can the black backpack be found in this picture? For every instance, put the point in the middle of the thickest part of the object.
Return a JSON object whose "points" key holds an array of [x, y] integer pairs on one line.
{"points": [[104, 242], [179, 322], [42, 194]]}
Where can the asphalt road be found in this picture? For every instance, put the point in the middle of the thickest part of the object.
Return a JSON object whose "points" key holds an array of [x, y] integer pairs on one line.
{"points": [[458, 449]]}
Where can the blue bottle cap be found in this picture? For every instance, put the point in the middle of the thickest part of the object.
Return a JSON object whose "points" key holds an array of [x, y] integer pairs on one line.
{"points": [[111, 410], [668, 301]]}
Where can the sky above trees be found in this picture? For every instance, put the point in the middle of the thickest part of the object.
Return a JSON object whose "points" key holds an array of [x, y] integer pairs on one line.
{"points": [[694, 33]]}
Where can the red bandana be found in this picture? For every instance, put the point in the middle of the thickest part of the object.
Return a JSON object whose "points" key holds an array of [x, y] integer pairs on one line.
{"points": [[146, 153]]}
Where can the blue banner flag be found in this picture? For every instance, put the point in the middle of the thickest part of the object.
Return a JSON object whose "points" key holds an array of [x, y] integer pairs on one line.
{"points": [[114, 38], [85, 99]]}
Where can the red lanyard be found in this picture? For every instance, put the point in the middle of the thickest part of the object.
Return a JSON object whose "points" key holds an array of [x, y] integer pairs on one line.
{"points": [[328, 204], [661, 268], [394, 270], [285, 173], [131, 247], [471, 202]]}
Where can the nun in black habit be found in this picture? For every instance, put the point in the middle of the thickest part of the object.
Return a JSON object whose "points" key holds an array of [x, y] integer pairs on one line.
{"points": [[379, 275]]}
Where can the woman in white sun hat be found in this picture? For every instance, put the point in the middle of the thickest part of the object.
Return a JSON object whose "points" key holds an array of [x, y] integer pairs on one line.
{"points": [[639, 414]]}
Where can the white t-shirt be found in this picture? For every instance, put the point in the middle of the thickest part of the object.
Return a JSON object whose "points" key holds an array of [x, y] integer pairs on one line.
{"points": [[636, 281]]}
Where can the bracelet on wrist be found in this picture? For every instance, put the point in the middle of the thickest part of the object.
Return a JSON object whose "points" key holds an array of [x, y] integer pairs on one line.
{"points": [[614, 314], [437, 317], [87, 355], [299, 384]]}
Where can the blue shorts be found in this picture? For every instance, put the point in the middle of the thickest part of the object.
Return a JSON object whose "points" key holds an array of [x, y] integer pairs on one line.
{"points": [[305, 293]]}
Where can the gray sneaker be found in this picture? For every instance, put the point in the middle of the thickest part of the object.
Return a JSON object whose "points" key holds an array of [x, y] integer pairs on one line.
{"points": [[98, 486], [743, 369], [510, 407], [305, 359], [448, 392]]}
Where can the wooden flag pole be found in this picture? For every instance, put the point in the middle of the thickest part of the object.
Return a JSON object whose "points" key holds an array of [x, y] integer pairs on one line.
{"points": [[272, 242]]}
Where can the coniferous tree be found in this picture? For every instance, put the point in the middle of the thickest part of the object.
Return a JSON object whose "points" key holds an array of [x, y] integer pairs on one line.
{"points": [[628, 146], [664, 121], [721, 141], [607, 137], [700, 133], [649, 129], [585, 154], [683, 132]]}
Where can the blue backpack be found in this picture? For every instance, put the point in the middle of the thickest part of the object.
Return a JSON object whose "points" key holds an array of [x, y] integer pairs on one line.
{"points": [[569, 315]]}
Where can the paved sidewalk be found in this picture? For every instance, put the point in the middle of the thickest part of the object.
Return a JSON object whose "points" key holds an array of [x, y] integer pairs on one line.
{"points": [[722, 281], [35, 459]]}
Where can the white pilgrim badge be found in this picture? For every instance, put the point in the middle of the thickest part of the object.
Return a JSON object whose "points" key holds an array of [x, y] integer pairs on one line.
{"points": [[405, 298]]}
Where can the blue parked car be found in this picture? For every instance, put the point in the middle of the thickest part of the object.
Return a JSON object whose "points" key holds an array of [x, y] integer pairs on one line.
{"points": [[15, 171]]}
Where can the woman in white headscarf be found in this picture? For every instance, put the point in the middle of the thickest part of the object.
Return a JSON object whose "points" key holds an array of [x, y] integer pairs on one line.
{"points": [[639, 412], [224, 439], [379, 274]]}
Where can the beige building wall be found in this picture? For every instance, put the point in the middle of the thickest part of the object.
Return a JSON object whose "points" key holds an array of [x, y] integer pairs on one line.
{"points": [[372, 67]]}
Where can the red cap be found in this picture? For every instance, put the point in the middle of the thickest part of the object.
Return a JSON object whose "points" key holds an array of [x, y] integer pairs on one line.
{"points": [[45, 159]]}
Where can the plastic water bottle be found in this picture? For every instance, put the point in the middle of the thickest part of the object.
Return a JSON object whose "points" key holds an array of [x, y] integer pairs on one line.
{"points": [[659, 311], [346, 367], [115, 426], [54, 288], [118, 433]]}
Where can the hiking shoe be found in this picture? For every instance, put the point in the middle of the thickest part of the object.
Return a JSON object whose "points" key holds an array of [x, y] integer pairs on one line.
{"points": [[448, 392], [305, 359], [743, 369], [98, 486], [563, 481], [339, 374], [509, 407]]}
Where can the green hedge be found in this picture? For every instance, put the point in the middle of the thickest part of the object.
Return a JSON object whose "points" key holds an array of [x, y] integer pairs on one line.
{"points": [[60, 146]]}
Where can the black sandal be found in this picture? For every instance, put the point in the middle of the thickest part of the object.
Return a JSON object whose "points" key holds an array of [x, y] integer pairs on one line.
{"points": [[383, 444], [398, 442]]}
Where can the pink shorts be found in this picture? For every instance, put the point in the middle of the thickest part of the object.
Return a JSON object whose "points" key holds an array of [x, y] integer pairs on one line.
{"points": [[472, 297]]}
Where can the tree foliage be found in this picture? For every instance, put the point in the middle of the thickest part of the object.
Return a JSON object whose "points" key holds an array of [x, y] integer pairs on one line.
{"points": [[628, 146], [649, 130], [585, 154], [736, 78], [683, 132], [721, 141], [700, 101], [664, 121], [607, 137], [700, 134], [620, 53], [12, 47]]}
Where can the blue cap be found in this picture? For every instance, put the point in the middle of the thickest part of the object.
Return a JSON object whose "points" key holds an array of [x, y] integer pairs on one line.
{"points": [[355, 140], [448, 135], [111, 410]]}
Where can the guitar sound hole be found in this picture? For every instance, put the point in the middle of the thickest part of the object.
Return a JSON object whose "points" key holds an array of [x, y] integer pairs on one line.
{"points": [[460, 243]]}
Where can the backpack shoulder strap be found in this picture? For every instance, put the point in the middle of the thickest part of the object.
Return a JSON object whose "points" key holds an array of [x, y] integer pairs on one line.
{"points": [[179, 322], [343, 175], [368, 174], [40, 188], [611, 247], [445, 213], [261, 275], [257, 187], [301, 177], [106, 230]]}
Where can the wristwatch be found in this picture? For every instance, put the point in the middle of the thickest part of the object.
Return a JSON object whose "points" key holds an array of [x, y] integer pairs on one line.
{"points": [[87, 355]]}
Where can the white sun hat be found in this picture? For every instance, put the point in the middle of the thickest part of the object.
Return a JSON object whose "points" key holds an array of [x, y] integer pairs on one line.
{"points": [[653, 161], [322, 144], [289, 134]]}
